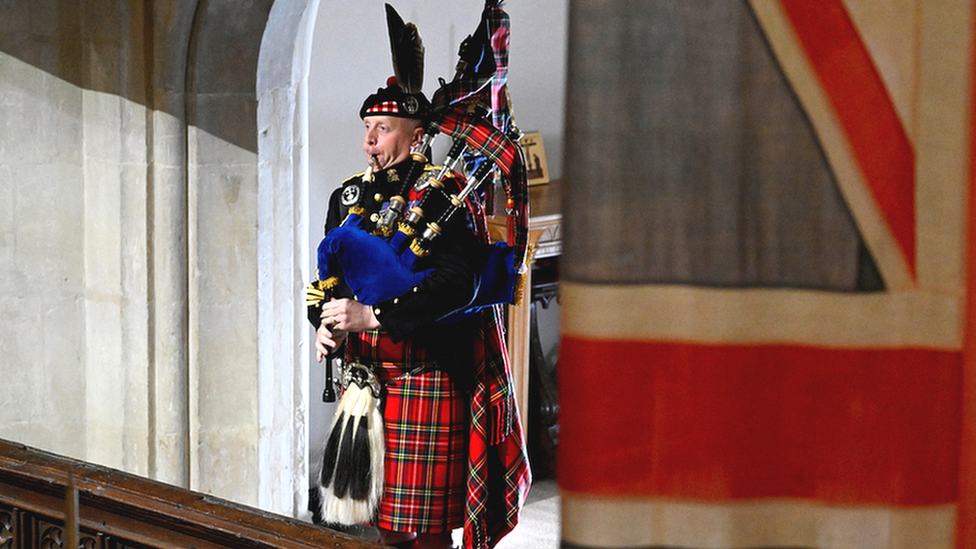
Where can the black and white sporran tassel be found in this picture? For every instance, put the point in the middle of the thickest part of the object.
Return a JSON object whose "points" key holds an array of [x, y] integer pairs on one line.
{"points": [[351, 479]]}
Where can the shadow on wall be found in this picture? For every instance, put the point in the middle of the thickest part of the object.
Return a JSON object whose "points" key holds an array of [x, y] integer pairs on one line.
{"points": [[184, 54]]}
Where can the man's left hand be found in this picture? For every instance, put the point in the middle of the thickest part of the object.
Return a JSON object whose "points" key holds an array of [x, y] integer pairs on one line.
{"points": [[349, 316]]}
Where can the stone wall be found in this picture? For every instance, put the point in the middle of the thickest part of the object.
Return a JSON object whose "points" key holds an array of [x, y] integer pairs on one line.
{"points": [[129, 238], [73, 171]]}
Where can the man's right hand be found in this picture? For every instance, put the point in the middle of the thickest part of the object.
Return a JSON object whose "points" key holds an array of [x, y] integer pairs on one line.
{"points": [[327, 340]]}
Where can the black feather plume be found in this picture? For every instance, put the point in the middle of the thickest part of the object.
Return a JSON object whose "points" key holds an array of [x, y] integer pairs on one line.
{"points": [[408, 52]]}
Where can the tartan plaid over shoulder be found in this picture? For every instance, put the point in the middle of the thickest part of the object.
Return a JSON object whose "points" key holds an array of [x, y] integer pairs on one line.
{"points": [[498, 465]]}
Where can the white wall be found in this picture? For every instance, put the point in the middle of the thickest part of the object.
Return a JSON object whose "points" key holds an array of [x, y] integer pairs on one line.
{"points": [[351, 58]]}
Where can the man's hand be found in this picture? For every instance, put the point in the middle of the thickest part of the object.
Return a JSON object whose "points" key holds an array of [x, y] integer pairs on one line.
{"points": [[346, 315], [327, 339], [339, 317]]}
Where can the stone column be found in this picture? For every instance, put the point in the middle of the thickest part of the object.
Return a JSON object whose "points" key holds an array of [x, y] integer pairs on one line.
{"points": [[283, 249], [170, 425]]}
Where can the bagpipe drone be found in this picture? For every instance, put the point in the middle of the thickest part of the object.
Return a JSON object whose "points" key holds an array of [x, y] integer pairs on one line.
{"points": [[382, 263]]}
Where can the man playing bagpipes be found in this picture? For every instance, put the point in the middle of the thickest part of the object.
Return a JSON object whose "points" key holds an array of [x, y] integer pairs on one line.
{"points": [[409, 290]]}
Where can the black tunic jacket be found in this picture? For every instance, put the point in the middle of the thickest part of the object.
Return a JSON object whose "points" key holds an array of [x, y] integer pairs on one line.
{"points": [[455, 259]]}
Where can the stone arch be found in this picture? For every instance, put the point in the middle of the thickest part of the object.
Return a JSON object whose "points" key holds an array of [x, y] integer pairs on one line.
{"points": [[283, 216], [246, 218]]}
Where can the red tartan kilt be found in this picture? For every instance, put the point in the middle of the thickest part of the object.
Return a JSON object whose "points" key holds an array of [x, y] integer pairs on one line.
{"points": [[426, 426]]}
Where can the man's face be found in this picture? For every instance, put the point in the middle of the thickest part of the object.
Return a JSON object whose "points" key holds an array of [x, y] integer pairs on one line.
{"points": [[388, 139]]}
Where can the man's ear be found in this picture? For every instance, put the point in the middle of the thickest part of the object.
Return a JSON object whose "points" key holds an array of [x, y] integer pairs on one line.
{"points": [[418, 135]]}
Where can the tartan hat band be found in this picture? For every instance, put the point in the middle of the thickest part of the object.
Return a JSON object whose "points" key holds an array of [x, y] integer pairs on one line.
{"points": [[386, 107]]}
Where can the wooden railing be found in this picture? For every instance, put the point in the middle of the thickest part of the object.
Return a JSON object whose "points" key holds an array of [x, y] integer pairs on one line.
{"points": [[49, 502]]}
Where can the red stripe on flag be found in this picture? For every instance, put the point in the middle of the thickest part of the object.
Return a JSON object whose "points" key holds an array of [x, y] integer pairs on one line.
{"points": [[690, 421], [866, 111]]}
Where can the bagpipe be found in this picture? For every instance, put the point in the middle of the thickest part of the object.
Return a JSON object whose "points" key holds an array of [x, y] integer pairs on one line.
{"points": [[380, 260], [382, 264]]}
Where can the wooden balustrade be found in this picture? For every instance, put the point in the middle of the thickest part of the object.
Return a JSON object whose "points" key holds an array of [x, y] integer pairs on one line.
{"points": [[49, 502]]}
